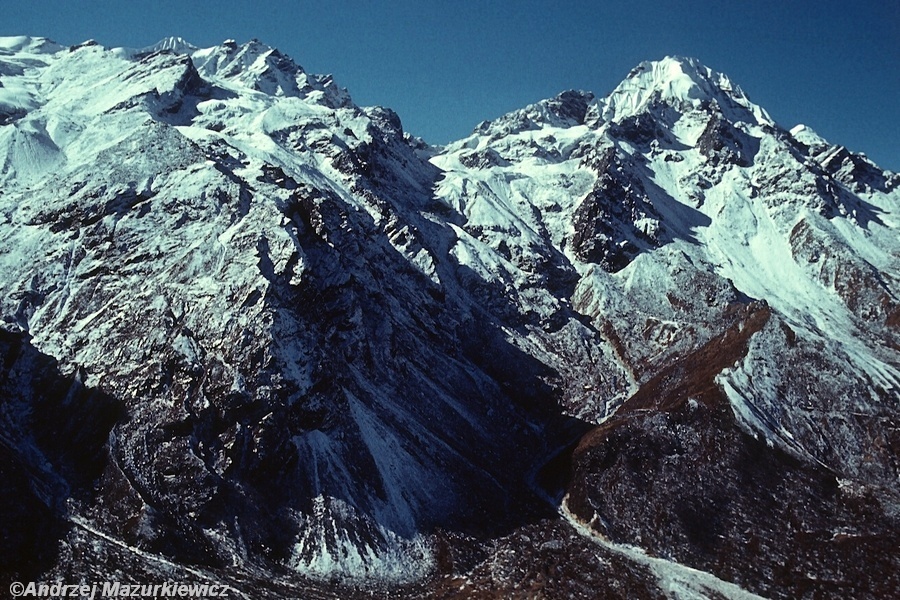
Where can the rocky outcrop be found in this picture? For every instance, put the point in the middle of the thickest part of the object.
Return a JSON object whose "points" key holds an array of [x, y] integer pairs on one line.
{"points": [[675, 473], [616, 220]]}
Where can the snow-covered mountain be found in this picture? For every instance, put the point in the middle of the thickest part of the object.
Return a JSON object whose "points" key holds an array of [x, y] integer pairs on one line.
{"points": [[256, 334]]}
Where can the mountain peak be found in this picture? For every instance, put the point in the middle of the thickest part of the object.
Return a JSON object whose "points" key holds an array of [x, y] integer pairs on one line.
{"points": [[254, 63], [563, 110], [807, 136], [682, 82], [174, 44], [28, 44]]}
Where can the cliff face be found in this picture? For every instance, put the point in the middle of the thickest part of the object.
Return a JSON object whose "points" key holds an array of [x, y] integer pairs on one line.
{"points": [[283, 337]]}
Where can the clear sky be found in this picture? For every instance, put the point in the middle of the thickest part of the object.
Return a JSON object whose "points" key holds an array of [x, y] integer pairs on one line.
{"points": [[445, 66]]}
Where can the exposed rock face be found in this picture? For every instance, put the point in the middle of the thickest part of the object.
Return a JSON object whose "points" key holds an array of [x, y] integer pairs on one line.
{"points": [[674, 473], [616, 220], [52, 448], [256, 334]]}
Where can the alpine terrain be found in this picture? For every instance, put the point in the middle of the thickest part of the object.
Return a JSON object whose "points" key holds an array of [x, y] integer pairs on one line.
{"points": [[638, 346]]}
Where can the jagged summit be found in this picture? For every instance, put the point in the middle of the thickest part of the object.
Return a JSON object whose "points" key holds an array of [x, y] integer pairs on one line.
{"points": [[808, 136], [174, 44], [647, 105], [255, 64], [684, 83], [564, 110]]}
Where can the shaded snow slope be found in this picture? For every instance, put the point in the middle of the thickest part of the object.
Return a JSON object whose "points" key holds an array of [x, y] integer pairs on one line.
{"points": [[192, 237]]}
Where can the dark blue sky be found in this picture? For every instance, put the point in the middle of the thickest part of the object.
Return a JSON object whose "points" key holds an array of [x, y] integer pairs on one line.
{"points": [[445, 66]]}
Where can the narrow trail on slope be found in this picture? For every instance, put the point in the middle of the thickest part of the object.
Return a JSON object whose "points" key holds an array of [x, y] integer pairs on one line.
{"points": [[675, 580]]}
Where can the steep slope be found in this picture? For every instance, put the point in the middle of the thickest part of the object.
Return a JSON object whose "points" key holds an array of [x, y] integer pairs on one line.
{"points": [[312, 348], [686, 213], [248, 262], [675, 198]]}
